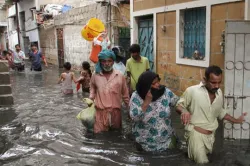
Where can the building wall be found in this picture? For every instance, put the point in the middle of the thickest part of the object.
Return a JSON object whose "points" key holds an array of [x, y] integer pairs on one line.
{"points": [[179, 77], [148, 4], [49, 45], [76, 49], [31, 29], [3, 16], [74, 3]]}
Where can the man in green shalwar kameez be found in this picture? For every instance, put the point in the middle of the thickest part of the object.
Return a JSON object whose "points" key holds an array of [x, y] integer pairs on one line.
{"points": [[200, 106]]}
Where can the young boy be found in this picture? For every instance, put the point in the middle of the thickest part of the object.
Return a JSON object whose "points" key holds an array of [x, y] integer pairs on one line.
{"points": [[66, 79]]}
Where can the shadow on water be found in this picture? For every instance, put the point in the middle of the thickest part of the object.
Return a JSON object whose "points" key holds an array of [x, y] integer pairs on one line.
{"points": [[41, 129]]}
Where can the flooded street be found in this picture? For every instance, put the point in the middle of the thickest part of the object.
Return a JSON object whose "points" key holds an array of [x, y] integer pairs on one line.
{"points": [[41, 129]]}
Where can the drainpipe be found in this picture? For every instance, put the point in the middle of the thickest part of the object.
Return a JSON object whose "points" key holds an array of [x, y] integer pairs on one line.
{"points": [[247, 9], [17, 22], [37, 5]]}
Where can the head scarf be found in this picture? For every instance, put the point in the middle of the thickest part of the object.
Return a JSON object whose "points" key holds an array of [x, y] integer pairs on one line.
{"points": [[104, 54], [144, 85]]}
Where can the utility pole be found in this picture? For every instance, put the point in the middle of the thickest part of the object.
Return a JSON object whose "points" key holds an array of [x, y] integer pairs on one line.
{"points": [[17, 21]]}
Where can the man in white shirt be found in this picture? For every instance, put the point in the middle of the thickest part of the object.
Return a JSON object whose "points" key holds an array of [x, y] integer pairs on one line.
{"points": [[19, 57], [120, 54]]}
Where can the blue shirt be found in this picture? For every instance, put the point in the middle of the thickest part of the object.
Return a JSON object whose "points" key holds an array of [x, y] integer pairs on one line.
{"points": [[36, 59]]}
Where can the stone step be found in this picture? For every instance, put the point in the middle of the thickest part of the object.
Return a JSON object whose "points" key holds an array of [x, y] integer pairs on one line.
{"points": [[5, 89], [4, 78], [6, 100], [4, 66]]}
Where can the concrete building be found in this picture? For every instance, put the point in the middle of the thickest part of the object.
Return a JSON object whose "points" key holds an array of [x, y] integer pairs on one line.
{"points": [[3, 27], [185, 36], [63, 41], [29, 29], [59, 38]]}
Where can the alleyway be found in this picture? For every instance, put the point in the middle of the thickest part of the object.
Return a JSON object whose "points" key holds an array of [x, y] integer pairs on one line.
{"points": [[41, 129]]}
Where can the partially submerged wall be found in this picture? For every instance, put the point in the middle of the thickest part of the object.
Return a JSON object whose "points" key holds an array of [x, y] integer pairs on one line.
{"points": [[6, 97]]}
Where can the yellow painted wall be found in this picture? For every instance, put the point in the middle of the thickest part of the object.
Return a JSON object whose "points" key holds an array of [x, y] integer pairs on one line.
{"points": [[179, 77]]}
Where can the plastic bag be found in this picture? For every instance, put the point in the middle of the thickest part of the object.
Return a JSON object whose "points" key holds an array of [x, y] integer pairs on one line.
{"points": [[87, 115]]}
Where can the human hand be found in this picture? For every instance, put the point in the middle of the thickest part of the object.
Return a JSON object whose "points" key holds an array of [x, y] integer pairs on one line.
{"points": [[148, 97], [46, 64], [241, 119], [185, 118]]}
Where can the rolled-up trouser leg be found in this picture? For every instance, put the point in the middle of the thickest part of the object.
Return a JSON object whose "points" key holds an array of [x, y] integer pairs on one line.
{"points": [[199, 145]]}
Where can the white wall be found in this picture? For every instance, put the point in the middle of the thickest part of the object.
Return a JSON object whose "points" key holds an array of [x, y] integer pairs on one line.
{"points": [[26, 6], [76, 48], [13, 39], [74, 3], [12, 11]]}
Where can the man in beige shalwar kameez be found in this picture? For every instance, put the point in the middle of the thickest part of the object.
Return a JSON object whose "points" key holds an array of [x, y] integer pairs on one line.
{"points": [[200, 106]]}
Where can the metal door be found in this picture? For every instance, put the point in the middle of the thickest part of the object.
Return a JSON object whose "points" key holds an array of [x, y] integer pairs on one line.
{"points": [[124, 41], [146, 39], [237, 77], [60, 47], [26, 43]]}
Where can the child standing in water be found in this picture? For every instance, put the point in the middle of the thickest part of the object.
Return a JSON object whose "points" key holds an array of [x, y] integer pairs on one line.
{"points": [[84, 79], [66, 79]]}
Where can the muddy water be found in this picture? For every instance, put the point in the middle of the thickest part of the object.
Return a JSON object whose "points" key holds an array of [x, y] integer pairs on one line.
{"points": [[41, 130]]}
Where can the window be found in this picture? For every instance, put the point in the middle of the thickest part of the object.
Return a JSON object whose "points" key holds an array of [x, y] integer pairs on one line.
{"points": [[193, 35]]}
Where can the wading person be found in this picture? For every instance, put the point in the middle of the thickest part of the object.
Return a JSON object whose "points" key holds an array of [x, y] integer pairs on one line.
{"points": [[136, 65], [200, 106], [6, 55], [36, 57], [107, 89], [84, 79], [66, 78], [118, 65], [19, 57], [150, 110]]}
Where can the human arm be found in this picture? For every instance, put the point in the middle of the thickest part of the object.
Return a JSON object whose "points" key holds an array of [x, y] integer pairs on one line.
{"points": [[80, 78], [239, 120], [60, 79], [173, 98], [125, 93], [92, 93], [182, 107], [44, 59], [138, 108], [73, 77]]}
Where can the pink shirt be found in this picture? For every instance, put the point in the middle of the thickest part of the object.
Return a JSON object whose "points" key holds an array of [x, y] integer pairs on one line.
{"points": [[109, 93]]}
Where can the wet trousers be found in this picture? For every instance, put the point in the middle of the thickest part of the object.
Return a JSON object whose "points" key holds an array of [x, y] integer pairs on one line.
{"points": [[199, 145], [106, 119]]}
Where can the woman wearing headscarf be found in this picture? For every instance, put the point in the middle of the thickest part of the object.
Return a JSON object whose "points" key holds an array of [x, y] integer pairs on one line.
{"points": [[108, 88], [150, 111]]}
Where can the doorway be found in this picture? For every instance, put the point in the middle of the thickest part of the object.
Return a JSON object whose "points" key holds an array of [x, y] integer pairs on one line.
{"points": [[60, 47]]}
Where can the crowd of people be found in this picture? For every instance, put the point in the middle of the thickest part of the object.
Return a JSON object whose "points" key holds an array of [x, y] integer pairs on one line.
{"points": [[150, 104], [16, 58]]}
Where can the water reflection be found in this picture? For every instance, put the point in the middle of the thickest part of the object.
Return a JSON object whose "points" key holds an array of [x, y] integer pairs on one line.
{"points": [[42, 129]]}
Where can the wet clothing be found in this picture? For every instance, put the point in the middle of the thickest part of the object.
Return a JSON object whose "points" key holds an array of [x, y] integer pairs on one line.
{"points": [[136, 69], [85, 82], [67, 84], [107, 95], [120, 67], [196, 101], [19, 57], [153, 129], [106, 119], [36, 61], [19, 60]]}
